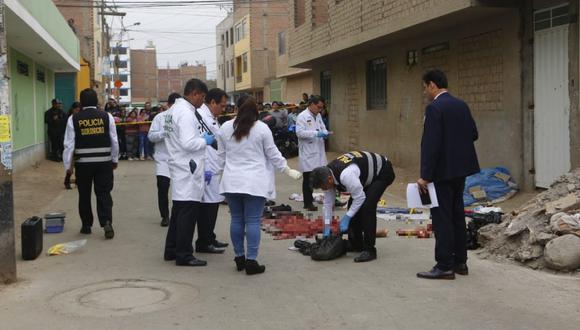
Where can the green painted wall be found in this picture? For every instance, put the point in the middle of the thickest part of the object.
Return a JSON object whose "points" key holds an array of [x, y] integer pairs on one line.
{"points": [[65, 88], [276, 90], [41, 102], [46, 13], [22, 91], [30, 99]]}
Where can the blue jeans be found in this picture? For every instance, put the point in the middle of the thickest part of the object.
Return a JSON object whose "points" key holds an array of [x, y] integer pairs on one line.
{"points": [[143, 145], [246, 213]]}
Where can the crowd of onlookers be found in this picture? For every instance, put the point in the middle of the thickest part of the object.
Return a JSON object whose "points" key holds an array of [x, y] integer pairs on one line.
{"points": [[133, 126]]}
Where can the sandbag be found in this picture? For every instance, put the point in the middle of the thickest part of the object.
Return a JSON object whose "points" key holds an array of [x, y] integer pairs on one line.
{"points": [[328, 248]]}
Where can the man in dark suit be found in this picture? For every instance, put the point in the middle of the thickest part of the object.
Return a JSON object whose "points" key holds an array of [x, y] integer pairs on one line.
{"points": [[447, 157]]}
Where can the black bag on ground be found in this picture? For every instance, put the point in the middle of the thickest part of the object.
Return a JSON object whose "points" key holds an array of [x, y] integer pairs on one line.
{"points": [[477, 221], [328, 248]]}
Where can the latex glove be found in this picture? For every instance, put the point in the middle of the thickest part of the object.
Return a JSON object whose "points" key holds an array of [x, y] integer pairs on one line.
{"points": [[322, 134], [209, 138], [293, 173], [208, 175], [326, 231], [344, 222]]}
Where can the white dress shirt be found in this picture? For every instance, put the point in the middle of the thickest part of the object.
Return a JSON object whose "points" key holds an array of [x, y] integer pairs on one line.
{"points": [[350, 179], [246, 163], [69, 141]]}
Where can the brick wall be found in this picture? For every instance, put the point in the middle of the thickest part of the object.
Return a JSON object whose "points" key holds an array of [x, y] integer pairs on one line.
{"points": [[480, 71], [343, 24]]}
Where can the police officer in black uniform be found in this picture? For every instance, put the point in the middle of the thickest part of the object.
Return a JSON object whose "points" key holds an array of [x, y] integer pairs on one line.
{"points": [[92, 137], [366, 176], [53, 118]]}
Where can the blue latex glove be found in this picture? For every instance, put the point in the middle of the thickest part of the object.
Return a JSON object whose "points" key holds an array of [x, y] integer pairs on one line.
{"points": [[344, 222], [326, 231], [209, 138], [208, 175], [322, 134]]}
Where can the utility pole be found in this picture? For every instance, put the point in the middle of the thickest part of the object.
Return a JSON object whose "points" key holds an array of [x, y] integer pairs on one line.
{"points": [[7, 249]]}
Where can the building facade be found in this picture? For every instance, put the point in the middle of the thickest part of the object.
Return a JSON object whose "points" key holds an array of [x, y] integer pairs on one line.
{"points": [[290, 83], [143, 72], [90, 27], [43, 60], [369, 56], [225, 55], [255, 31], [174, 80]]}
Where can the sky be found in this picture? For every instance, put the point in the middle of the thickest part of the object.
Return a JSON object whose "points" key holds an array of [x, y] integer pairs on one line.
{"points": [[182, 31]]}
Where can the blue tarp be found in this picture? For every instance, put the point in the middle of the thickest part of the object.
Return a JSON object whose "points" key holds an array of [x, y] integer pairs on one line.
{"points": [[493, 186]]}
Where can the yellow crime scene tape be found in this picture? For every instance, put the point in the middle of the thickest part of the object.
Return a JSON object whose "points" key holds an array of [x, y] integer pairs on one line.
{"points": [[227, 115]]}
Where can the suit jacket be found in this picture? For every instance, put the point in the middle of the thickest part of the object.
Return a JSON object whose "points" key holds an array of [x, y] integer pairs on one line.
{"points": [[447, 146]]}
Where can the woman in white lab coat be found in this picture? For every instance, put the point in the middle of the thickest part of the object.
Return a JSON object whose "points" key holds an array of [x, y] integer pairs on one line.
{"points": [[245, 149]]}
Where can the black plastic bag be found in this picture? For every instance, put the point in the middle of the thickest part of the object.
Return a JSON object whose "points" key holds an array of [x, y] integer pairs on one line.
{"points": [[477, 221], [328, 248]]}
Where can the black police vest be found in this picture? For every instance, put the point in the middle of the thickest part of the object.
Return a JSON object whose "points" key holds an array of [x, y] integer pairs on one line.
{"points": [[369, 163], [92, 139]]}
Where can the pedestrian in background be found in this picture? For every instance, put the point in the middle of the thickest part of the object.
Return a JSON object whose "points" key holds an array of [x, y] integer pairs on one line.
{"points": [[281, 115], [53, 119], [74, 109], [311, 133], [293, 116], [119, 119], [157, 135], [143, 130], [132, 135], [245, 149], [447, 157]]}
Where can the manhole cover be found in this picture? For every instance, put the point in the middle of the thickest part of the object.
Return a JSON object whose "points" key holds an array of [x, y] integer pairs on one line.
{"points": [[123, 297]]}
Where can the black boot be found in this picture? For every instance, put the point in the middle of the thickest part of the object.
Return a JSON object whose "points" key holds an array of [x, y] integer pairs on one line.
{"points": [[240, 263], [253, 267]]}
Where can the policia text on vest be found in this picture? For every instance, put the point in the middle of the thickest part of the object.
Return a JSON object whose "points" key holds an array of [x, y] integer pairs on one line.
{"points": [[92, 126]]}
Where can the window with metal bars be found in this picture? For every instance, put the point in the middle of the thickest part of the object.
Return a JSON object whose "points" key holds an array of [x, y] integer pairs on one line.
{"points": [[325, 91], [377, 84], [551, 17]]}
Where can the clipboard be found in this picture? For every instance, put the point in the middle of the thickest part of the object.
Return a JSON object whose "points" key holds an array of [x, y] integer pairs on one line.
{"points": [[414, 197]]}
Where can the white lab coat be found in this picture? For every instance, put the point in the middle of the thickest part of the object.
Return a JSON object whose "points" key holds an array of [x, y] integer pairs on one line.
{"points": [[310, 148], [184, 143], [157, 135], [212, 190], [246, 163]]}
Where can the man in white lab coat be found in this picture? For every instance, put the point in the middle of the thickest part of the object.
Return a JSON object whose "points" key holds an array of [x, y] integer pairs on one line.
{"points": [[207, 116], [186, 148], [311, 133], [157, 135]]}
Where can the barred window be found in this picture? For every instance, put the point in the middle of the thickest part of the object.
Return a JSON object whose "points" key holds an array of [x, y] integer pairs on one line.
{"points": [[377, 84]]}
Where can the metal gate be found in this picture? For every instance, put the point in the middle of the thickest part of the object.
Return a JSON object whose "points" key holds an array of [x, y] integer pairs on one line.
{"points": [[551, 98]]}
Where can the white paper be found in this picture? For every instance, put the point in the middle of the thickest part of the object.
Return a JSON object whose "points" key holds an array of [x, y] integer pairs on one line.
{"points": [[414, 199]]}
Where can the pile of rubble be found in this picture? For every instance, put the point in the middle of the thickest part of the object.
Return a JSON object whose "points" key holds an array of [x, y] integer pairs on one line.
{"points": [[544, 232]]}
